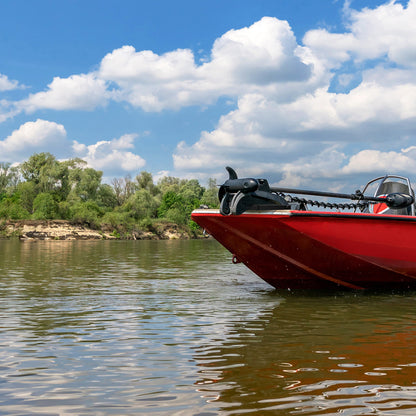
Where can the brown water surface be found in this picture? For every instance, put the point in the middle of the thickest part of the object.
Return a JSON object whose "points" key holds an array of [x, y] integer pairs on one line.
{"points": [[174, 328]]}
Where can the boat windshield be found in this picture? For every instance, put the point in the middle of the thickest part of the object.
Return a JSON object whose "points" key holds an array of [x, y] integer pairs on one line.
{"points": [[388, 184]]}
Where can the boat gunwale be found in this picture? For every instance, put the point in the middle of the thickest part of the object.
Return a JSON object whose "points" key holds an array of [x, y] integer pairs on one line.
{"points": [[311, 214]]}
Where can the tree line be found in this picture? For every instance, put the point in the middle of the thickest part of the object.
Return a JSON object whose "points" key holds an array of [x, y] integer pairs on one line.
{"points": [[44, 188]]}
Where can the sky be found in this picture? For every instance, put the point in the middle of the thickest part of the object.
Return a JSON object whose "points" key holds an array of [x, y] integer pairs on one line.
{"points": [[308, 93]]}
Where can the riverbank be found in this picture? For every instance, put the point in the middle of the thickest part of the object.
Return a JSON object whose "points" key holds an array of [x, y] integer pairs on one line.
{"points": [[27, 230]]}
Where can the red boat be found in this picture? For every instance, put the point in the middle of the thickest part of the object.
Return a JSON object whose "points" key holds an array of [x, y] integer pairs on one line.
{"points": [[280, 238]]}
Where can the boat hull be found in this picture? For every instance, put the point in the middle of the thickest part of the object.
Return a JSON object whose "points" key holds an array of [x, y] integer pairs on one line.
{"points": [[319, 250]]}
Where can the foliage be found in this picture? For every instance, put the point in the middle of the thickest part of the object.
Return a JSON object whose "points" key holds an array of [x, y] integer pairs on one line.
{"points": [[85, 182], [123, 188], [44, 207], [106, 196], [9, 178], [38, 169], [142, 204], [12, 208], [26, 192], [145, 181], [44, 188], [86, 212], [116, 218], [170, 201], [210, 196]]}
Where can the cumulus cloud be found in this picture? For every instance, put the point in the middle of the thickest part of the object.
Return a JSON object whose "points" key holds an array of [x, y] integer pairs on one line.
{"points": [[6, 84], [77, 92], [330, 105], [387, 30], [32, 136], [262, 56], [311, 134], [7, 110], [332, 166], [376, 160], [110, 155], [114, 156]]}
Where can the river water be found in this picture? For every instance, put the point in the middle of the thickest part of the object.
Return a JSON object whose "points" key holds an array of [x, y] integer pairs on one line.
{"points": [[174, 328]]}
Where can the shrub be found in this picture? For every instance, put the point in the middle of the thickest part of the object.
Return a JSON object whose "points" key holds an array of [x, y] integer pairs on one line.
{"points": [[116, 218], [86, 212], [142, 204], [44, 207], [11, 208]]}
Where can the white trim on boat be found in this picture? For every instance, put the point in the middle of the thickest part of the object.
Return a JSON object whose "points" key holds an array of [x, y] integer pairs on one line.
{"points": [[256, 212]]}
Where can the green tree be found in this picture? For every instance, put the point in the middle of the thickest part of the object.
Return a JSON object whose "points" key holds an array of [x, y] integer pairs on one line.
{"points": [[179, 198], [44, 188], [210, 195], [106, 197], [123, 189], [170, 200], [44, 207], [11, 208], [169, 183], [50, 175], [26, 192], [37, 169], [191, 190], [142, 204], [88, 212], [85, 183], [173, 208], [61, 174], [9, 177], [145, 181]]}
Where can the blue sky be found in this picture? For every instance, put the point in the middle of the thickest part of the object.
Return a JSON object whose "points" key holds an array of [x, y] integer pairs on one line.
{"points": [[315, 93]]}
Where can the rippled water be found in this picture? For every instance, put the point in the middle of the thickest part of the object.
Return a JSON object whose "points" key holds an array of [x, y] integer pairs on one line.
{"points": [[174, 328]]}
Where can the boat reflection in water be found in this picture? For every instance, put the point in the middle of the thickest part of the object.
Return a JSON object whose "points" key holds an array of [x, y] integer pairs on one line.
{"points": [[316, 355]]}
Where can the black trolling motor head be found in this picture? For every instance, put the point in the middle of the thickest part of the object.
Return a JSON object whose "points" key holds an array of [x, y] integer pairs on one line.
{"points": [[238, 195], [233, 184]]}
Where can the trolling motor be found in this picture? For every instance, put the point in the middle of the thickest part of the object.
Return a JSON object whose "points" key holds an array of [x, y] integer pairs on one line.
{"points": [[239, 195]]}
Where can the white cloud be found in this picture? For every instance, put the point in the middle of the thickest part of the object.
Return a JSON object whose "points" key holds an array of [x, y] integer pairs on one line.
{"points": [[387, 30], [110, 155], [307, 170], [376, 161], [6, 84], [332, 166], [309, 135], [113, 156], [77, 92], [147, 80], [289, 117], [32, 137], [159, 175], [7, 110], [262, 56], [125, 65]]}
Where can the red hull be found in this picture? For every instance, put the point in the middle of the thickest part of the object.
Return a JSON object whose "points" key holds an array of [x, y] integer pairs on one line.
{"points": [[315, 250]]}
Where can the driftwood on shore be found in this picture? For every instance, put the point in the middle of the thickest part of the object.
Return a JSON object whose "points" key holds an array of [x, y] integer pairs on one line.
{"points": [[27, 230]]}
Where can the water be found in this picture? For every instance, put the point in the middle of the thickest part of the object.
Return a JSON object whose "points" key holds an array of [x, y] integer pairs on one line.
{"points": [[174, 328]]}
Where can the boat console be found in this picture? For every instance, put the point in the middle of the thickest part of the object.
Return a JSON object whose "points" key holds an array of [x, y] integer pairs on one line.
{"points": [[390, 184]]}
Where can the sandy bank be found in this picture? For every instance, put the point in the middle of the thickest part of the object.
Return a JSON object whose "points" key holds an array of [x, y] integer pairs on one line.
{"points": [[64, 230]]}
